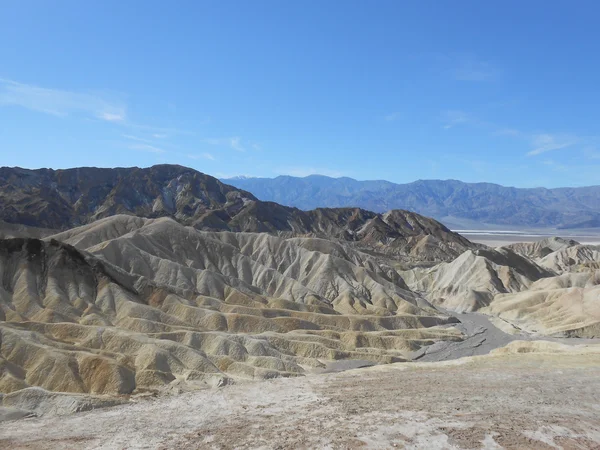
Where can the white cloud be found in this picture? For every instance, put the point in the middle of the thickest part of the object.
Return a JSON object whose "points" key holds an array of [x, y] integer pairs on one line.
{"points": [[158, 132], [306, 171], [234, 142], [60, 103], [507, 132], [136, 138], [591, 152], [148, 145], [202, 155], [557, 167], [454, 117], [543, 143], [146, 148], [473, 70], [478, 166], [111, 117], [225, 175]]}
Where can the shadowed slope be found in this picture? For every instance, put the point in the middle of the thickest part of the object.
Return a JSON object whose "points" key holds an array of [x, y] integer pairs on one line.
{"points": [[61, 199], [11, 230]]}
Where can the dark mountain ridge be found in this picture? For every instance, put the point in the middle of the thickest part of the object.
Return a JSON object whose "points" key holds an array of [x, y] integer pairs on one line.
{"points": [[61, 199]]}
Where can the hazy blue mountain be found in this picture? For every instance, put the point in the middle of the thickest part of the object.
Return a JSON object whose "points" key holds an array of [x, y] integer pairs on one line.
{"points": [[450, 201]]}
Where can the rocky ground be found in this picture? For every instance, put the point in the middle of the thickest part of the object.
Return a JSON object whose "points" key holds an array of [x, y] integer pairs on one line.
{"points": [[513, 398]]}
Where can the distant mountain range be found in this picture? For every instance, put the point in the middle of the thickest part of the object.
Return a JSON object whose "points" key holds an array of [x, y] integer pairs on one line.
{"points": [[455, 203]]}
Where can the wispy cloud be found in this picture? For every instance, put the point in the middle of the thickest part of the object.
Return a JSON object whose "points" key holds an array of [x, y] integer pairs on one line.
{"points": [[225, 175], [202, 156], [149, 145], [546, 142], [470, 69], [146, 148], [60, 103], [157, 132], [434, 165], [306, 171], [539, 143], [102, 106], [557, 167], [392, 117], [236, 145], [234, 142], [454, 117], [110, 117], [591, 152], [511, 132], [478, 166], [137, 138]]}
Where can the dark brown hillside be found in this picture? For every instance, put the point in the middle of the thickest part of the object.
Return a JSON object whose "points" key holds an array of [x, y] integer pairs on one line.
{"points": [[62, 199]]}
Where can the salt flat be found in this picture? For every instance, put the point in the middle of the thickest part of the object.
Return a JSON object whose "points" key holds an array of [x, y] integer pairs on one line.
{"points": [[498, 238]]}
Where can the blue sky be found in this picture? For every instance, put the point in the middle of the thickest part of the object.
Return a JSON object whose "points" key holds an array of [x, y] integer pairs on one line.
{"points": [[505, 92]]}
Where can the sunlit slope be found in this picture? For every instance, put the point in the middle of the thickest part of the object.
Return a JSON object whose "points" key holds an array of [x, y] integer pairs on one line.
{"points": [[565, 305], [471, 281], [548, 287], [151, 303]]}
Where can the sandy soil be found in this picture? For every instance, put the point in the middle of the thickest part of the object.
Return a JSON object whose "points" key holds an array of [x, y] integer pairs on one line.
{"points": [[512, 401]]}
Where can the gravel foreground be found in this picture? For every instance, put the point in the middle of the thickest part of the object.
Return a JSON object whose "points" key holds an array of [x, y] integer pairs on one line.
{"points": [[513, 400]]}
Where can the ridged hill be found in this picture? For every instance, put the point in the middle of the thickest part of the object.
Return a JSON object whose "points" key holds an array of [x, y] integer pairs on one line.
{"points": [[61, 199], [472, 280], [126, 304], [566, 305], [549, 287], [540, 249]]}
